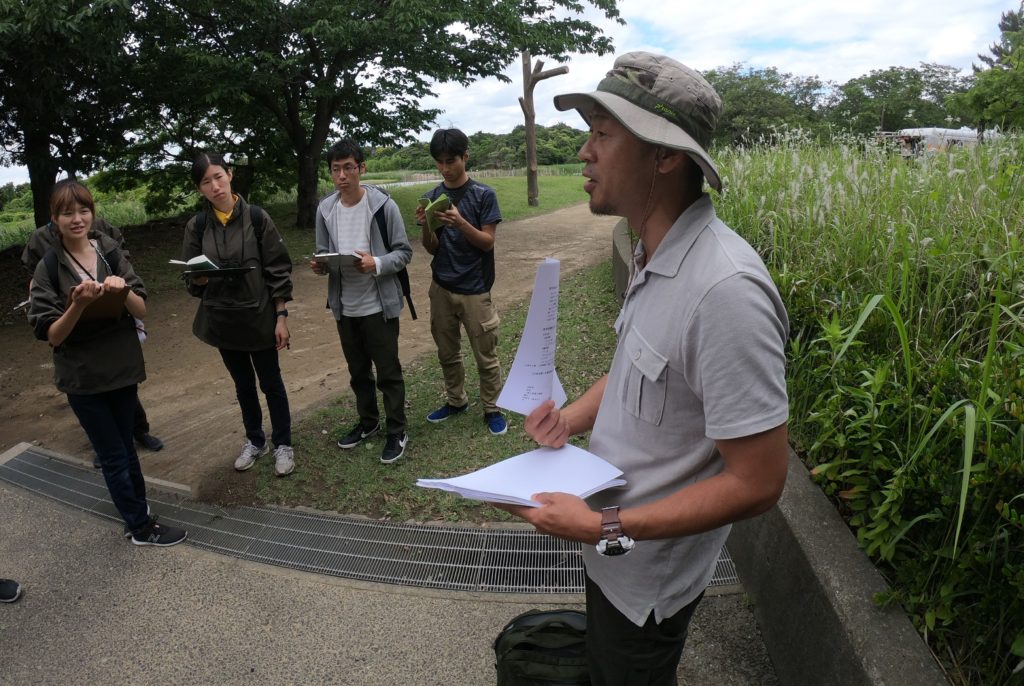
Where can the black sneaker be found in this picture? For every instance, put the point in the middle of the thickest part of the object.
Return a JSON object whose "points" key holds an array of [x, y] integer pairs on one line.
{"points": [[149, 442], [357, 435], [394, 447], [10, 590], [128, 532], [155, 533]]}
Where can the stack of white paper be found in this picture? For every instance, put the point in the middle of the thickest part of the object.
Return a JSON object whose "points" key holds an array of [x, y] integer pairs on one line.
{"points": [[532, 379], [566, 470]]}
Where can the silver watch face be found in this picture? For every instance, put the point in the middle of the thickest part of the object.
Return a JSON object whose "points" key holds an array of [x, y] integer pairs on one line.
{"points": [[620, 546]]}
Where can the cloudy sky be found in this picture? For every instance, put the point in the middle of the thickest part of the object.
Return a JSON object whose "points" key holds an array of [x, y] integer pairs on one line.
{"points": [[835, 41]]}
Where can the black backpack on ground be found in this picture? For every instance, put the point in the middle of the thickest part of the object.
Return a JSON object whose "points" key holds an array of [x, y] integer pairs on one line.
{"points": [[543, 648]]}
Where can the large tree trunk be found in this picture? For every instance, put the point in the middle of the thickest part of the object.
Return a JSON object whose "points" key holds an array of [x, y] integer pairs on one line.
{"points": [[307, 196], [42, 172]]}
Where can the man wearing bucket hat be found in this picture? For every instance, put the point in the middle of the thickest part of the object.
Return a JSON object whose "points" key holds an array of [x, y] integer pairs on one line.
{"points": [[694, 407]]}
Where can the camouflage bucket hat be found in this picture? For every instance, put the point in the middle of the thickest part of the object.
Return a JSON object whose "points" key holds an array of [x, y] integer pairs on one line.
{"points": [[660, 101]]}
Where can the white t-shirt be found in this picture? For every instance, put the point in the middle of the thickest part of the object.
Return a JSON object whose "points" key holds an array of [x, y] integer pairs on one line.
{"points": [[350, 228]]}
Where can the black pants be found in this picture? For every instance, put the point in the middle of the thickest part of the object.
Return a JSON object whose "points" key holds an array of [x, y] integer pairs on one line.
{"points": [[620, 653], [141, 426], [107, 419], [372, 342], [245, 366]]}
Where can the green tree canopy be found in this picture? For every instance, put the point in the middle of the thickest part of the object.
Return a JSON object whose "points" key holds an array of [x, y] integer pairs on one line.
{"points": [[558, 144], [997, 96], [757, 102], [276, 80], [64, 77], [896, 98]]}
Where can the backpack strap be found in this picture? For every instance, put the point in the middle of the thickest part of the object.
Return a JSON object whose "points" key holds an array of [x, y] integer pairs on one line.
{"points": [[403, 274], [256, 215], [50, 260]]}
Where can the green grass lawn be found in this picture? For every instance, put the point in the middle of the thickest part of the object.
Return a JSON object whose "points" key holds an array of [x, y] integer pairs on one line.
{"points": [[354, 481]]}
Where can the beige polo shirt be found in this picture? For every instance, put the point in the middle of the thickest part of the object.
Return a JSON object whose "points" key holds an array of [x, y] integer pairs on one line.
{"points": [[700, 357]]}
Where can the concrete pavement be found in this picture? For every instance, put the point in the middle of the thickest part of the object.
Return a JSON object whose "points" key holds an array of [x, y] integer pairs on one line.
{"points": [[98, 610]]}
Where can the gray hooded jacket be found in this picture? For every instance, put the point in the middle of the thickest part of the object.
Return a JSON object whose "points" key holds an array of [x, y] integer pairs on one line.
{"points": [[388, 288]]}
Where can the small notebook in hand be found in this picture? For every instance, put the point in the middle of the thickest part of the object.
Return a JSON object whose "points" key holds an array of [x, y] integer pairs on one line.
{"points": [[441, 204], [109, 305], [336, 258], [197, 263], [201, 265], [566, 470]]}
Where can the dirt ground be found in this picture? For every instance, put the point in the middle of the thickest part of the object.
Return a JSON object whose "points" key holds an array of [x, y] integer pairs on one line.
{"points": [[189, 396]]}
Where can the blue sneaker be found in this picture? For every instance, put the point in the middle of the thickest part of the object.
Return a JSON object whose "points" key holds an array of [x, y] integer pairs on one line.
{"points": [[496, 423], [445, 411]]}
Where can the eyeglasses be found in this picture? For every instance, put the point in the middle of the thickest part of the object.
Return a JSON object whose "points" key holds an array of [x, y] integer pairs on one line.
{"points": [[348, 169]]}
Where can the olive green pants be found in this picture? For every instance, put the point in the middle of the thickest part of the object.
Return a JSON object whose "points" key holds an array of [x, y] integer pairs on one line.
{"points": [[449, 313]]}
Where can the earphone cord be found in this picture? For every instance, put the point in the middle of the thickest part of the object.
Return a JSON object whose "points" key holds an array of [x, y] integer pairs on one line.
{"points": [[639, 235]]}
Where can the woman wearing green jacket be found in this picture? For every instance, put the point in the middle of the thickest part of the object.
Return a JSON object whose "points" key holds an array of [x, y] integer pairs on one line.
{"points": [[243, 315], [84, 300]]}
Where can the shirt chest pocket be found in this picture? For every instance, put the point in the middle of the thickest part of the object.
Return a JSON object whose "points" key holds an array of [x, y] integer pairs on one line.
{"points": [[645, 385]]}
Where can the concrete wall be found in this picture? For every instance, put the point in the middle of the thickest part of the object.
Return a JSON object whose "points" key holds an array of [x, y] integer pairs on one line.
{"points": [[813, 589], [621, 252]]}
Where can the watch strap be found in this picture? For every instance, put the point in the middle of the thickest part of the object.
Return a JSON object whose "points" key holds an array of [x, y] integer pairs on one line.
{"points": [[611, 527]]}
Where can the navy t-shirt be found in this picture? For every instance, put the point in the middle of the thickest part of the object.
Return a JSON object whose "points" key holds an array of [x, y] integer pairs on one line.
{"points": [[459, 266]]}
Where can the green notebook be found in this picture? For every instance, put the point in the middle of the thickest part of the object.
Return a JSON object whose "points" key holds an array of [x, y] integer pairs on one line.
{"points": [[441, 204]]}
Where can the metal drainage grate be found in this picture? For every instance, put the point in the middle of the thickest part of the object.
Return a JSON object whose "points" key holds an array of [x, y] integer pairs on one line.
{"points": [[452, 558]]}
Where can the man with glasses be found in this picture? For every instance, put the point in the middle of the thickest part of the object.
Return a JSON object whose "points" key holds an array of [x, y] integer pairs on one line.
{"points": [[364, 293]]}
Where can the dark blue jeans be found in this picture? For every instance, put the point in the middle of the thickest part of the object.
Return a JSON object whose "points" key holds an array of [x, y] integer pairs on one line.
{"points": [[244, 366], [109, 419]]}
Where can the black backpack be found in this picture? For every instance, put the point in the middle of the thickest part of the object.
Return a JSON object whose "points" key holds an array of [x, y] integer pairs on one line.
{"points": [[403, 273], [543, 648], [256, 215]]}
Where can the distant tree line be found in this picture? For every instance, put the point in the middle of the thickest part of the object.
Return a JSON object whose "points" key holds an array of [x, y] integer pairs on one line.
{"points": [[558, 144]]}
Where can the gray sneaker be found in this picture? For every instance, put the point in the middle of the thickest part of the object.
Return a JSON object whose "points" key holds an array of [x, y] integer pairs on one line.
{"points": [[284, 460], [249, 454]]}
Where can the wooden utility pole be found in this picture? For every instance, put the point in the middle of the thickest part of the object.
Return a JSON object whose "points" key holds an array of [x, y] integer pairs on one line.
{"points": [[530, 79]]}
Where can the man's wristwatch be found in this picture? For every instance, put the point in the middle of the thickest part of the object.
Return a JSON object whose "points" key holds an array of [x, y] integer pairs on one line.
{"points": [[282, 313], [613, 541]]}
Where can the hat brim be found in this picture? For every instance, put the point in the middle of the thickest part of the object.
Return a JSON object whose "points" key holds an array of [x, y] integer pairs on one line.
{"points": [[644, 125]]}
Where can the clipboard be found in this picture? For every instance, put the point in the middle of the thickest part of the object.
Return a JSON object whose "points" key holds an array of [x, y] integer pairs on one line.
{"points": [[108, 306], [225, 272]]}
